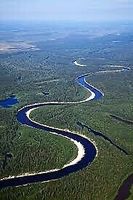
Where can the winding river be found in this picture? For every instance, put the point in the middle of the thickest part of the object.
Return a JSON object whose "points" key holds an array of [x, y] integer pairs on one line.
{"points": [[87, 150]]}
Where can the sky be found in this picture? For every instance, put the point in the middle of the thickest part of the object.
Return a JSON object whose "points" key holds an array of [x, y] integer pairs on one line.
{"points": [[75, 10]]}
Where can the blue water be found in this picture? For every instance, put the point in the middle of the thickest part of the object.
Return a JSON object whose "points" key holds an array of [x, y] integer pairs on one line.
{"points": [[97, 133], [90, 150], [9, 102], [98, 94]]}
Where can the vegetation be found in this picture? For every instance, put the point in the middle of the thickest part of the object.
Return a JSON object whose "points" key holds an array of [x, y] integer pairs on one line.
{"points": [[29, 75]]}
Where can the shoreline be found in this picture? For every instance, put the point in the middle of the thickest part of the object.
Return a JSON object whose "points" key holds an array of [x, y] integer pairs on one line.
{"points": [[124, 190], [78, 64], [87, 150]]}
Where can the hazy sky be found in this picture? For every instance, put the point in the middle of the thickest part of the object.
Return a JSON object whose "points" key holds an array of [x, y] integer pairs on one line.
{"points": [[66, 10]]}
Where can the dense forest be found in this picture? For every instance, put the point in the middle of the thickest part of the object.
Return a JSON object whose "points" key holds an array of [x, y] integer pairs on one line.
{"points": [[48, 73]]}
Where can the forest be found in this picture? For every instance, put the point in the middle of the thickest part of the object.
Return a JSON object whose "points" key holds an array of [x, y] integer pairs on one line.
{"points": [[48, 73]]}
